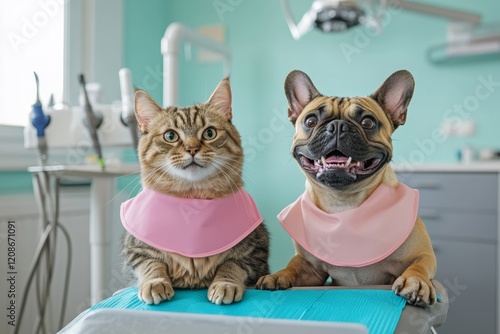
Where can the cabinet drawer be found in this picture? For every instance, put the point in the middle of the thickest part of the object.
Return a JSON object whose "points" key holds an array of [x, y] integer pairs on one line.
{"points": [[463, 225], [463, 191], [468, 271]]}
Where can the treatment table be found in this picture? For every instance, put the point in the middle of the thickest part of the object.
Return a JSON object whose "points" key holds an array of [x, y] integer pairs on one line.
{"points": [[340, 310]]}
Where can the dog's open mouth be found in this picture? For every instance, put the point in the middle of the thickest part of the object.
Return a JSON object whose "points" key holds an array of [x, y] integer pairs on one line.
{"points": [[336, 160]]}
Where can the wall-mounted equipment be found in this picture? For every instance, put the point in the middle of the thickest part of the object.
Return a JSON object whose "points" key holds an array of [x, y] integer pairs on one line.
{"points": [[83, 129], [464, 40], [466, 35], [340, 15]]}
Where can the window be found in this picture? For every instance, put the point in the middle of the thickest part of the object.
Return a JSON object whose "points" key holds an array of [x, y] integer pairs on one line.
{"points": [[59, 39], [31, 39]]}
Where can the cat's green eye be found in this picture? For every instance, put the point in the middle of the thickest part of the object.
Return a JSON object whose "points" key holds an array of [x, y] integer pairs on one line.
{"points": [[209, 134], [171, 136]]}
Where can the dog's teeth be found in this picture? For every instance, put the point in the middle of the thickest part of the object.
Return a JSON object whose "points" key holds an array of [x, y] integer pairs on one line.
{"points": [[358, 163], [348, 162], [323, 159]]}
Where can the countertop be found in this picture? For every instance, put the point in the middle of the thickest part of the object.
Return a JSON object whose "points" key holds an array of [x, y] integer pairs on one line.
{"points": [[475, 166], [89, 171]]}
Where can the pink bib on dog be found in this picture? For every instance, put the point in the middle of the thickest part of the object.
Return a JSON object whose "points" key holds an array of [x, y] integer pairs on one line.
{"points": [[190, 227], [357, 237]]}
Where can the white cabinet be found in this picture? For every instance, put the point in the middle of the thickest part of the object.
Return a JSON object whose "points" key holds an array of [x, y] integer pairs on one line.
{"points": [[461, 213]]}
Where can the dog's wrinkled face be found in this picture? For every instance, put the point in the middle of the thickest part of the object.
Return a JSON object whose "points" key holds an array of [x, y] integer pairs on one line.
{"points": [[340, 141]]}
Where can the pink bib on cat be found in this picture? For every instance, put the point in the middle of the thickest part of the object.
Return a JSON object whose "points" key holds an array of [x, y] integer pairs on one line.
{"points": [[357, 237], [190, 227]]}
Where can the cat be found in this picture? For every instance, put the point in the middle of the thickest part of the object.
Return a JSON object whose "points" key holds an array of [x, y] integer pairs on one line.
{"points": [[193, 156]]}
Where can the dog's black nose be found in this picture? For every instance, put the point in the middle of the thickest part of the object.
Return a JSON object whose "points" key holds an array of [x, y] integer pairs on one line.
{"points": [[337, 126]]}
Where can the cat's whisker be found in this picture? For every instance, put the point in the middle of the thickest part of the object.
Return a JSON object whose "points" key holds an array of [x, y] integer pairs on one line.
{"points": [[129, 174], [219, 165], [146, 174], [138, 184], [153, 176], [247, 209], [233, 186], [237, 160], [234, 169], [164, 170], [121, 191]]}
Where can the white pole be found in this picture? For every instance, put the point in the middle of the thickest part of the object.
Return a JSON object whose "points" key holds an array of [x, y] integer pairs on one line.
{"points": [[174, 36], [101, 194]]}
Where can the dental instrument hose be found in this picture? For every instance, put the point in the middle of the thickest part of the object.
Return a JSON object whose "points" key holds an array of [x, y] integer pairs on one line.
{"points": [[40, 121], [46, 248], [92, 122], [49, 224]]}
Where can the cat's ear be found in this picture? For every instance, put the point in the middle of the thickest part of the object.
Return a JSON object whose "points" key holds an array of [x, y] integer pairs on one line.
{"points": [[145, 109], [299, 91], [221, 99], [394, 96]]}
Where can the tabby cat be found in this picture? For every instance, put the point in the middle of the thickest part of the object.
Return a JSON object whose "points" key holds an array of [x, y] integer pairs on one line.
{"points": [[192, 154]]}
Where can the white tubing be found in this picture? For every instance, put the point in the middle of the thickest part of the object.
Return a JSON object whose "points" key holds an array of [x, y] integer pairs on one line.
{"points": [[174, 36], [127, 93]]}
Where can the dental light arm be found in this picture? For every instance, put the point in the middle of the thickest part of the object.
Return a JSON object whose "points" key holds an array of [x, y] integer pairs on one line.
{"points": [[447, 13], [128, 115], [341, 15], [40, 121], [92, 121], [304, 25]]}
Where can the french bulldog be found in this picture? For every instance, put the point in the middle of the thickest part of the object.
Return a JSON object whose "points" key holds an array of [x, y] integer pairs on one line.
{"points": [[355, 223]]}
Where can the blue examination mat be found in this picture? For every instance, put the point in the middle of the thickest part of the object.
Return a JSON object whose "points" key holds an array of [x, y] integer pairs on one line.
{"points": [[378, 310]]}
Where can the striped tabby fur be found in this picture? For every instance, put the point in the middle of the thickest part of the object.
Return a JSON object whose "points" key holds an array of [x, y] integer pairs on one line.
{"points": [[163, 169]]}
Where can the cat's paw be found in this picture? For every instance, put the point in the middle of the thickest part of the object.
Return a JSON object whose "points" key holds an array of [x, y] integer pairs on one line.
{"points": [[276, 281], [155, 290], [225, 292], [416, 290]]}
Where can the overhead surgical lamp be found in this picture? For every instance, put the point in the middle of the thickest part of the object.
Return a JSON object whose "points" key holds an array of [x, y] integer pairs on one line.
{"points": [[341, 15]]}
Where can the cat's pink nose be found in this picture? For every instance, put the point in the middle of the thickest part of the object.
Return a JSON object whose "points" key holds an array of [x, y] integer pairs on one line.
{"points": [[192, 149]]}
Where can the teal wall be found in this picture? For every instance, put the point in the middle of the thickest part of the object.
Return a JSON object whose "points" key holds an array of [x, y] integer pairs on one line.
{"points": [[15, 182], [264, 52]]}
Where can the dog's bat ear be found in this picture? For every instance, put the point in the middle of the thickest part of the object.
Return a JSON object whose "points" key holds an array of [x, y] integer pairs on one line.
{"points": [[394, 96], [299, 91]]}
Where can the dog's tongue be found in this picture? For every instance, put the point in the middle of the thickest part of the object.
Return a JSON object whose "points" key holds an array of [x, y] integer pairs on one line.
{"points": [[336, 159]]}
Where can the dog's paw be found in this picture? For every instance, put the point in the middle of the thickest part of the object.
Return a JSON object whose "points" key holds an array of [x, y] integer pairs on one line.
{"points": [[278, 281], [416, 290], [156, 290], [225, 292]]}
